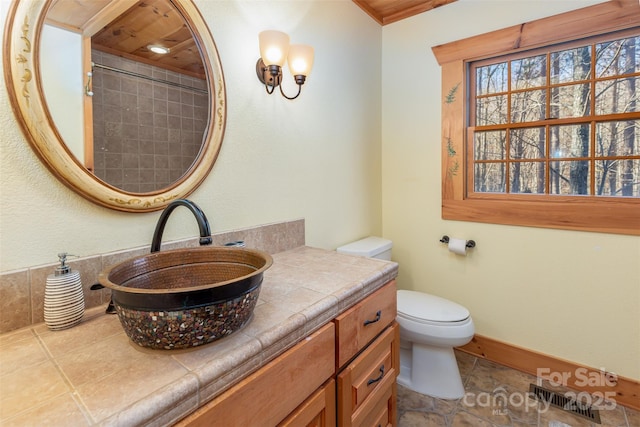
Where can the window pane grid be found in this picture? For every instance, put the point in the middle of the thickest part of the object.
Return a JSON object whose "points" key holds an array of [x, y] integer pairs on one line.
{"points": [[567, 130]]}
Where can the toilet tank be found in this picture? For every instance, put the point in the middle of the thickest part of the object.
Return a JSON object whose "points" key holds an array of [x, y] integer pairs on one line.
{"points": [[371, 247]]}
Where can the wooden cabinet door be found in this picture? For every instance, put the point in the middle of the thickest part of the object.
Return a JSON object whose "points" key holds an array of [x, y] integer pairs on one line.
{"points": [[383, 411], [319, 410]]}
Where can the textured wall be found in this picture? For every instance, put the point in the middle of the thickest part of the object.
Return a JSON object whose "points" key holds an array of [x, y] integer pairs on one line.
{"points": [[570, 294], [317, 157]]}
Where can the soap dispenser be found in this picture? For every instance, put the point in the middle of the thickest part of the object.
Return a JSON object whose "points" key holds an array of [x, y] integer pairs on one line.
{"points": [[63, 297]]}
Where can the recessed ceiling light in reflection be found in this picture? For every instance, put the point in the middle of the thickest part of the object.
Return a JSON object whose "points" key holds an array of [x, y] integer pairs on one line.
{"points": [[161, 50]]}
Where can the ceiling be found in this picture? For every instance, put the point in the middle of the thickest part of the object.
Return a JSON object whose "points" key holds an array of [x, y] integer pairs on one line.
{"points": [[388, 11], [126, 27]]}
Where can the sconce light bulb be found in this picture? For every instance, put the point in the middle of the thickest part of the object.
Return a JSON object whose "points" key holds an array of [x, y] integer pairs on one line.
{"points": [[274, 46], [300, 59], [298, 65], [273, 55]]}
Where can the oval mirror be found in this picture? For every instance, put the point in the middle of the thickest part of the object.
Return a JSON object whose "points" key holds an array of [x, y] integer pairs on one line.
{"points": [[122, 125]]}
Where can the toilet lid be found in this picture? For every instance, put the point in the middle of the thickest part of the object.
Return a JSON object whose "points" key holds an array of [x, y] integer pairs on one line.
{"points": [[419, 306]]}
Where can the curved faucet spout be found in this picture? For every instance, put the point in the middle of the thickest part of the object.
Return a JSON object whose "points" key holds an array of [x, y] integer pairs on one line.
{"points": [[203, 224]]}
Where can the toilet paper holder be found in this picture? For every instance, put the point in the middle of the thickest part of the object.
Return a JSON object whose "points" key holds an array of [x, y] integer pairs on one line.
{"points": [[470, 243]]}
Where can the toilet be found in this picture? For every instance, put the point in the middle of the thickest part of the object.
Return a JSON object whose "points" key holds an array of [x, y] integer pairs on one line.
{"points": [[430, 327]]}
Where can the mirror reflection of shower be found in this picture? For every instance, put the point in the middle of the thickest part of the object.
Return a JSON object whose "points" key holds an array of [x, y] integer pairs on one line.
{"points": [[148, 123]]}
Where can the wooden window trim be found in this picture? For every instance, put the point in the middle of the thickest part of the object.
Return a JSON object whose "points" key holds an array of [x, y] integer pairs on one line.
{"points": [[609, 215]]}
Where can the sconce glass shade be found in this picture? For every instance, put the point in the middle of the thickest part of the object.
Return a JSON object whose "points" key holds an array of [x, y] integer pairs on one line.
{"points": [[274, 46], [300, 59]]}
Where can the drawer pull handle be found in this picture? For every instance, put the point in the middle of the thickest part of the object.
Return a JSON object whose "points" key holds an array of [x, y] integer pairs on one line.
{"points": [[375, 380], [368, 322]]}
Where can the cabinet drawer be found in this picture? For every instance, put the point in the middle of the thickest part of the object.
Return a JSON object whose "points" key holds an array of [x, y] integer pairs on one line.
{"points": [[366, 384], [356, 327], [268, 395]]}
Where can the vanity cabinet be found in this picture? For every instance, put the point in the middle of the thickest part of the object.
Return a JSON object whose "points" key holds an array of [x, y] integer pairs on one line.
{"points": [[271, 394], [368, 361], [344, 374]]}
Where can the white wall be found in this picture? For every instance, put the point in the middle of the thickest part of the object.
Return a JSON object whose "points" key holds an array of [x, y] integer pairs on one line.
{"points": [[63, 85], [573, 295], [317, 157]]}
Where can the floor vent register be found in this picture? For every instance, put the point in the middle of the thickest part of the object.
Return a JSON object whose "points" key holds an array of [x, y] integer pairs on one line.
{"points": [[565, 403]]}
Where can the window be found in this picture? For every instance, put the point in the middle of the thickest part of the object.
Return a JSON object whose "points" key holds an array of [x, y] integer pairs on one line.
{"points": [[541, 123], [562, 121]]}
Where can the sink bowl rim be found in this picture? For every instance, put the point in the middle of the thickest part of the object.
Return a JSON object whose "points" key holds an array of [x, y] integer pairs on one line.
{"points": [[103, 276]]}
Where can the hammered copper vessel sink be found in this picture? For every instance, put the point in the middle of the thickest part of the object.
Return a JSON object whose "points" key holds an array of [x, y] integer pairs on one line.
{"points": [[186, 297]]}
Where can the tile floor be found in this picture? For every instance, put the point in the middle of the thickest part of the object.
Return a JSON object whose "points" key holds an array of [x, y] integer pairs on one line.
{"points": [[487, 384]]}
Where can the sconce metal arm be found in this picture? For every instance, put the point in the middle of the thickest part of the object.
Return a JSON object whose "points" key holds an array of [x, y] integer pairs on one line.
{"points": [[293, 97], [271, 76]]}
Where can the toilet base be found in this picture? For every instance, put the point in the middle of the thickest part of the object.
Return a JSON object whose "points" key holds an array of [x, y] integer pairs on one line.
{"points": [[432, 371]]}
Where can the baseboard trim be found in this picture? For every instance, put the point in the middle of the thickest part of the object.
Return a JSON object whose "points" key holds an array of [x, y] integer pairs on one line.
{"points": [[578, 377]]}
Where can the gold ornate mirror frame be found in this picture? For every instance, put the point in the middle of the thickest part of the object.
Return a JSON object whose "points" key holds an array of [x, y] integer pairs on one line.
{"points": [[24, 85]]}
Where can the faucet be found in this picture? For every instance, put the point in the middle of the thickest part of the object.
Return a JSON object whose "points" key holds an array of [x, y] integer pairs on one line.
{"points": [[203, 224]]}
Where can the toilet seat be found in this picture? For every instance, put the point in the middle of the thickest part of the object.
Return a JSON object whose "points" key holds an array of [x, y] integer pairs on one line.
{"points": [[429, 309]]}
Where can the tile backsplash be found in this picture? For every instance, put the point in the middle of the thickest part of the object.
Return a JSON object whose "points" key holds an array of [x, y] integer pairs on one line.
{"points": [[22, 291]]}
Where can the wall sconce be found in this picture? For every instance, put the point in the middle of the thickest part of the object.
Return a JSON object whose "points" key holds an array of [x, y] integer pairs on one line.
{"points": [[274, 50]]}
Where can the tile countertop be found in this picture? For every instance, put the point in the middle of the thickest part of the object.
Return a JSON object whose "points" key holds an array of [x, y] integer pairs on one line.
{"points": [[92, 374]]}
